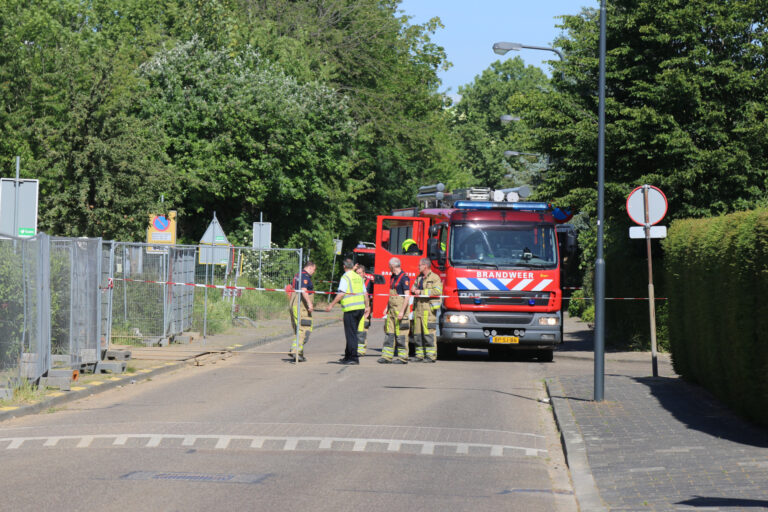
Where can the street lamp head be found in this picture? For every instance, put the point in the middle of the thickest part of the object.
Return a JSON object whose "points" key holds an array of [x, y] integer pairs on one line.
{"points": [[508, 153], [507, 118], [502, 47]]}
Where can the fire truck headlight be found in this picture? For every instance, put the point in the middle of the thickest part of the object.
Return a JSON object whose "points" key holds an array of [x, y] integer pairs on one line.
{"points": [[548, 320], [458, 319]]}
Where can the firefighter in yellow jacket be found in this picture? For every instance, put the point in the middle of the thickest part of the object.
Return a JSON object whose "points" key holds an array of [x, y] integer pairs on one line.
{"points": [[303, 300], [425, 305], [365, 321], [395, 347]]}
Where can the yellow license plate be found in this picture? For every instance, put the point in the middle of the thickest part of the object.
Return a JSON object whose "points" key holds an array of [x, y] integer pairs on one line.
{"points": [[505, 339]]}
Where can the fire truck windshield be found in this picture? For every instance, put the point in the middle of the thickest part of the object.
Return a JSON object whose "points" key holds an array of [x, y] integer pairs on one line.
{"points": [[511, 245]]}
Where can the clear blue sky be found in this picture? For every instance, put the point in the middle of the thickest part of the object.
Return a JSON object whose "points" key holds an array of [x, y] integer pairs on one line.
{"points": [[471, 28]]}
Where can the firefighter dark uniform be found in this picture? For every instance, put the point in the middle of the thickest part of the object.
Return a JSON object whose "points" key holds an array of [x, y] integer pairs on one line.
{"points": [[396, 336], [362, 328], [425, 307], [297, 301]]}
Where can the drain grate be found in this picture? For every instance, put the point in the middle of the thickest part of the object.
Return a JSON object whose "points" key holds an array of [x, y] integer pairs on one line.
{"points": [[217, 478]]}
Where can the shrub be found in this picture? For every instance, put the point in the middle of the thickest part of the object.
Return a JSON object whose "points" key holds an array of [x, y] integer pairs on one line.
{"points": [[717, 271]]}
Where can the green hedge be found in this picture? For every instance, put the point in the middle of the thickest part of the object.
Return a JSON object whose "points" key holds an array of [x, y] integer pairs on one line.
{"points": [[717, 280]]}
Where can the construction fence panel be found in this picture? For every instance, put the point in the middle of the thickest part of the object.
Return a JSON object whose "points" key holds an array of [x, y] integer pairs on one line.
{"points": [[269, 271], [106, 287], [25, 328], [180, 298], [138, 301], [75, 301]]}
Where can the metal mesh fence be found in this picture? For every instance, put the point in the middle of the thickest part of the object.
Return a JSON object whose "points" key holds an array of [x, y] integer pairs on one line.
{"points": [[139, 304], [155, 296], [75, 300], [271, 269], [24, 308]]}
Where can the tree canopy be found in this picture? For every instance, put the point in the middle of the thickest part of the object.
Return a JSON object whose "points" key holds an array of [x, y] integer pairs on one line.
{"points": [[319, 113]]}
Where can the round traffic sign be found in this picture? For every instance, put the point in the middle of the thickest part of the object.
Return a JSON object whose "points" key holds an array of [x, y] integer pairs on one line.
{"points": [[160, 223], [657, 205]]}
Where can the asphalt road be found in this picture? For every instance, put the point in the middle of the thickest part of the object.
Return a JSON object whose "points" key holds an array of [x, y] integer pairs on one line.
{"points": [[257, 432]]}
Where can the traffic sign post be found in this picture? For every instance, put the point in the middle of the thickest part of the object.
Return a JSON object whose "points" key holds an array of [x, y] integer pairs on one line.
{"points": [[647, 205]]}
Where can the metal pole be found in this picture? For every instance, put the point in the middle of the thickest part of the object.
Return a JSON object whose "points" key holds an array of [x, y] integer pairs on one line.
{"points": [[261, 221], [236, 272], [125, 288], [205, 305], [16, 186], [298, 307], [333, 269], [600, 261], [110, 290], [651, 297]]}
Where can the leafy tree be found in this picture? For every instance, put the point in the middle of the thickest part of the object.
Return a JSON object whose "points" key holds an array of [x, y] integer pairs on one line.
{"points": [[68, 86], [685, 111], [244, 137], [387, 68], [483, 139]]}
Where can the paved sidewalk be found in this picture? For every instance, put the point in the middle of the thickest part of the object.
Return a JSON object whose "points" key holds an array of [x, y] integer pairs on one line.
{"points": [[655, 443]]}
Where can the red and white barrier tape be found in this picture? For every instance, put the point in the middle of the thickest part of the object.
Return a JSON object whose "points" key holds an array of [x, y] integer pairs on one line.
{"points": [[287, 290]]}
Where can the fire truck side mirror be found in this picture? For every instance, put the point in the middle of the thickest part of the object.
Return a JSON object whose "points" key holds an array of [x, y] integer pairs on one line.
{"points": [[433, 248], [434, 231], [378, 279]]}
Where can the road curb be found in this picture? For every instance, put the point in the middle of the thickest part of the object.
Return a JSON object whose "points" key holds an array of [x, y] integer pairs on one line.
{"points": [[125, 379], [608, 357], [575, 450]]}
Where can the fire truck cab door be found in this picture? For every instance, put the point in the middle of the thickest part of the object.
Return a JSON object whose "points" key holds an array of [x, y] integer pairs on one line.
{"points": [[392, 233]]}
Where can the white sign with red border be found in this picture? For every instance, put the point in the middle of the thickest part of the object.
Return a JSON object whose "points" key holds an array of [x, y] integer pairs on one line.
{"points": [[657, 205]]}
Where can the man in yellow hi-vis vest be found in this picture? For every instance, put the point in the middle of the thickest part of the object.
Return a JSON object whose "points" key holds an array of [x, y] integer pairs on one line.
{"points": [[425, 290], [354, 304]]}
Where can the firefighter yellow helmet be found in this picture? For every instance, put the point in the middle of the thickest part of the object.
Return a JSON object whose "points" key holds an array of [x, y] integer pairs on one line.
{"points": [[408, 243]]}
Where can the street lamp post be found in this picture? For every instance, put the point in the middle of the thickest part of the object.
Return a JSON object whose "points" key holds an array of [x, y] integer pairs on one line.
{"points": [[600, 260]]}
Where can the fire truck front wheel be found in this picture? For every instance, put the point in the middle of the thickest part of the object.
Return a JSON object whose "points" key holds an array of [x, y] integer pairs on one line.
{"points": [[447, 350], [545, 355]]}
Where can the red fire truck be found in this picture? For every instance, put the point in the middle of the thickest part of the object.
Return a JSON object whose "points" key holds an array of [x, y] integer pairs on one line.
{"points": [[499, 262]]}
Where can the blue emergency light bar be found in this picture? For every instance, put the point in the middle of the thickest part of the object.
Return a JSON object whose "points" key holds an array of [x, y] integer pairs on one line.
{"points": [[489, 205]]}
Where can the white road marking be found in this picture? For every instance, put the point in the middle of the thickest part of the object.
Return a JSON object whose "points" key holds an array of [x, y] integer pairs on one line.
{"points": [[85, 442], [290, 443], [154, 442], [15, 444]]}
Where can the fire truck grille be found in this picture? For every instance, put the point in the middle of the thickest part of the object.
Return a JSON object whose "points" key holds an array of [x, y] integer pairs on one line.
{"points": [[499, 298], [512, 319]]}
